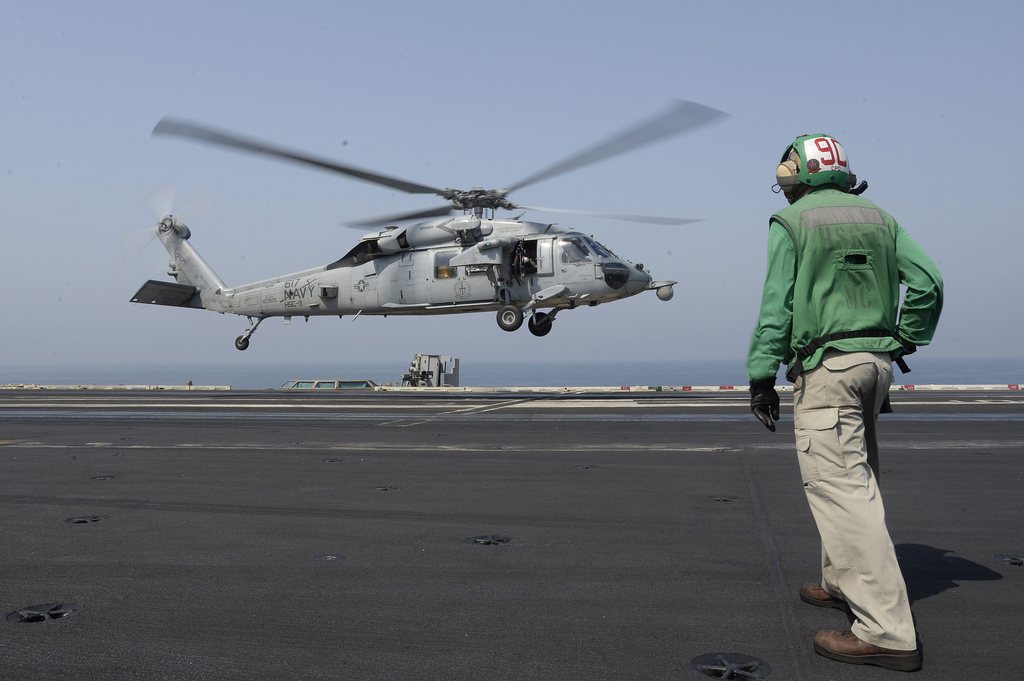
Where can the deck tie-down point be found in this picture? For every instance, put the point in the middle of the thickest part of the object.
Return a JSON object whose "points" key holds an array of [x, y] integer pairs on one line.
{"points": [[731, 666]]}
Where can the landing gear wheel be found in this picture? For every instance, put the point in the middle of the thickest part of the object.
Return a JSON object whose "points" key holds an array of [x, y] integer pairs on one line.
{"points": [[242, 342], [540, 324], [510, 318]]}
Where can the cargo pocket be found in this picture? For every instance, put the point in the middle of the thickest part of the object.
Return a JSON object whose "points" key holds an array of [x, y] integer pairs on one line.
{"points": [[817, 443]]}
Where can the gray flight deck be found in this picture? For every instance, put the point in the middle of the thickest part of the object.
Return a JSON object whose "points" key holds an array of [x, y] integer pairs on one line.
{"points": [[279, 535]]}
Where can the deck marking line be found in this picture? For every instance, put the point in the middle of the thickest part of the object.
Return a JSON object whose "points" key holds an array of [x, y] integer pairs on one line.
{"points": [[775, 565]]}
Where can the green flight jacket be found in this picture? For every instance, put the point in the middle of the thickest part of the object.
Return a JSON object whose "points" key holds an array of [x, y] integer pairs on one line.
{"points": [[835, 264]]}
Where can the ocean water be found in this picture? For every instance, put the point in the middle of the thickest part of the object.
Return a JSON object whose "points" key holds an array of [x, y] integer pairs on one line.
{"points": [[925, 370]]}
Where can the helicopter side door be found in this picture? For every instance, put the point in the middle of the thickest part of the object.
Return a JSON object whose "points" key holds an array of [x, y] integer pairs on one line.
{"points": [[545, 256], [402, 283]]}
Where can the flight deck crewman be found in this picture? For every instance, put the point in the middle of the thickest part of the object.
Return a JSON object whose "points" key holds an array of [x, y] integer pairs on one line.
{"points": [[830, 311]]}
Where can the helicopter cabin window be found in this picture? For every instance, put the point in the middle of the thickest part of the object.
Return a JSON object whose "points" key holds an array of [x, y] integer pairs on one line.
{"points": [[442, 265], [574, 250]]}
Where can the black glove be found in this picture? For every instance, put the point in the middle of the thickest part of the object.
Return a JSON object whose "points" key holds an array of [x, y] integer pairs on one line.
{"points": [[907, 348], [764, 402]]}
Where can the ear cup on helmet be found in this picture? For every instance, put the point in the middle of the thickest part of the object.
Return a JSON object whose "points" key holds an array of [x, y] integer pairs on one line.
{"points": [[787, 173], [787, 176]]}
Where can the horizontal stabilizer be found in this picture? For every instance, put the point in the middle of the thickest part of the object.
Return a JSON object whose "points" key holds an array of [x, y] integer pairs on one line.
{"points": [[167, 293]]}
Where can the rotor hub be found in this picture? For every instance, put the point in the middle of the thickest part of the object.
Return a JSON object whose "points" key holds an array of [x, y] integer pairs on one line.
{"points": [[470, 199], [169, 224]]}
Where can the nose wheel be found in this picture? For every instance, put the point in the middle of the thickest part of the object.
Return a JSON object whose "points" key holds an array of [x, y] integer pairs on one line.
{"points": [[242, 342], [540, 323]]}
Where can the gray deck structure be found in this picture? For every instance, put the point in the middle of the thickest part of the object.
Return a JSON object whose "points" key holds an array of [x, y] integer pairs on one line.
{"points": [[273, 535]]}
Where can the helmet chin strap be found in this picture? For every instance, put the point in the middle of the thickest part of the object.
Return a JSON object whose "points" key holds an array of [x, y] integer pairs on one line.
{"points": [[859, 189]]}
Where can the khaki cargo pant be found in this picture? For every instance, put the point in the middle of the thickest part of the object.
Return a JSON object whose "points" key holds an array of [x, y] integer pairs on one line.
{"points": [[835, 407]]}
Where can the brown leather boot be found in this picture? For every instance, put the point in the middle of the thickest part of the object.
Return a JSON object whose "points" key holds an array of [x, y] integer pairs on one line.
{"points": [[816, 595], [844, 646]]}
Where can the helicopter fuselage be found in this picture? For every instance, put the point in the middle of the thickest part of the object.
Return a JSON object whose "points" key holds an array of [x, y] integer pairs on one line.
{"points": [[451, 265], [515, 262]]}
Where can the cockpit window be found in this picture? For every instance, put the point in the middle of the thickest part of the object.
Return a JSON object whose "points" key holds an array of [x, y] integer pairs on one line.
{"points": [[598, 248], [574, 250]]}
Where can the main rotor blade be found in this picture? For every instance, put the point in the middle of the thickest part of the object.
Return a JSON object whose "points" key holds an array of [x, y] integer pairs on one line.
{"points": [[392, 219], [681, 116], [651, 219], [180, 128]]}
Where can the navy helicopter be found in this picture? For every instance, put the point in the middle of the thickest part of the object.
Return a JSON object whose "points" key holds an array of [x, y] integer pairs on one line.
{"points": [[471, 262]]}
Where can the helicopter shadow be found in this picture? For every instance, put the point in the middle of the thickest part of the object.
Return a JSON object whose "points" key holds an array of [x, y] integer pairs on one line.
{"points": [[928, 571]]}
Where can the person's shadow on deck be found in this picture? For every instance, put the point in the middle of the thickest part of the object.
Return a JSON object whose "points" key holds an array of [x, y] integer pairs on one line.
{"points": [[929, 571]]}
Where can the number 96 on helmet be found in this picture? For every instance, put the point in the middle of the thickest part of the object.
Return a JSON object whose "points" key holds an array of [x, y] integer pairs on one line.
{"points": [[815, 160]]}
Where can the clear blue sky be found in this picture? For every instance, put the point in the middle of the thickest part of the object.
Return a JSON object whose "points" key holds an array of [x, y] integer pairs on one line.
{"points": [[926, 98]]}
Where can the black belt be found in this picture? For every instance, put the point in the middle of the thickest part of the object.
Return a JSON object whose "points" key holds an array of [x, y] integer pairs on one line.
{"points": [[797, 367]]}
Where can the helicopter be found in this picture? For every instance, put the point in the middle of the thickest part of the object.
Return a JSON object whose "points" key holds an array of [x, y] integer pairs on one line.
{"points": [[473, 261]]}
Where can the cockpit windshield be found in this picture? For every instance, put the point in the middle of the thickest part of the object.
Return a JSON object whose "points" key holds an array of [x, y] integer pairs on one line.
{"points": [[599, 248]]}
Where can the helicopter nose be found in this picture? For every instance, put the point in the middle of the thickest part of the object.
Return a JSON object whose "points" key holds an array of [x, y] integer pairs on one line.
{"points": [[616, 274], [639, 279], [622, 276]]}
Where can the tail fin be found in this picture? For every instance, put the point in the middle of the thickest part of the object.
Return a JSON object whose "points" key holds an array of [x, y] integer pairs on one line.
{"points": [[189, 269]]}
